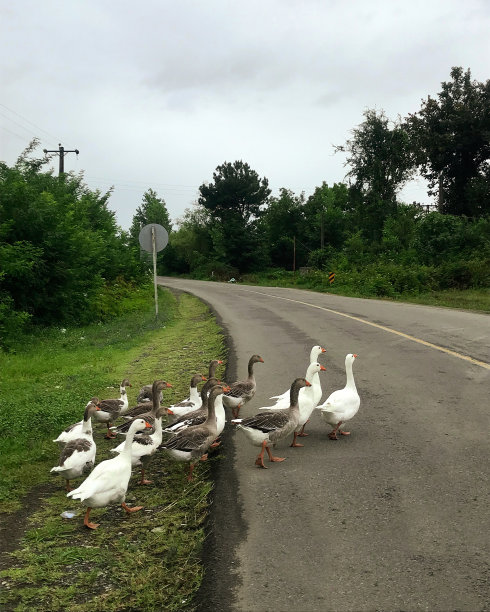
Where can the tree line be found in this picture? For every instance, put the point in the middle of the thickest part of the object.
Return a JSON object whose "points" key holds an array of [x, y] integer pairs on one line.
{"points": [[64, 260], [236, 227]]}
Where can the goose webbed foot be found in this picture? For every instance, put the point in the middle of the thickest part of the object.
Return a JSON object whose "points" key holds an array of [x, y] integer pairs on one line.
{"points": [[295, 444], [87, 522], [272, 458], [129, 510]]}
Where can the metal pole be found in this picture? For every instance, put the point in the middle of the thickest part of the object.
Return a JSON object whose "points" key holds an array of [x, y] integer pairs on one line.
{"points": [[153, 242]]}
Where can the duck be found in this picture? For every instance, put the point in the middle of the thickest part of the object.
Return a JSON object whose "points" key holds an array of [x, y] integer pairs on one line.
{"points": [[343, 404], [72, 432], [242, 391], [144, 446], [267, 427], [143, 410], [78, 455], [196, 417], [108, 482], [193, 402], [192, 443], [308, 400], [111, 409]]}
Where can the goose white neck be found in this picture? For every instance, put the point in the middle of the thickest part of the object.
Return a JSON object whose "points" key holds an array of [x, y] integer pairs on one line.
{"points": [[350, 376]]}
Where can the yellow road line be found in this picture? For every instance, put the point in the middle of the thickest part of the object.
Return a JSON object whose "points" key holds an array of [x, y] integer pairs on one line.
{"points": [[482, 364]]}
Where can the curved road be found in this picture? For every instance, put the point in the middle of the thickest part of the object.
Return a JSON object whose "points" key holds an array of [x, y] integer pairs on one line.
{"points": [[394, 517]]}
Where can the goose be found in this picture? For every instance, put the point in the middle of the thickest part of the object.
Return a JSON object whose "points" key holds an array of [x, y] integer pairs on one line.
{"points": [[144, 446], [193, 402], [145, 407], [144, 410], [242, 391], [78, 455], [283, 398], [195, 417], [343, 404], [192, 443], [213, 364], [267, 427], [108, 481], [72, 432], [308, 400], [110, 409]]}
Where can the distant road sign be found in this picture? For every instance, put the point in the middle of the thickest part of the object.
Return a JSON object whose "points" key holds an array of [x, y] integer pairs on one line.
{"points": [[331, 277], [145, 238]]}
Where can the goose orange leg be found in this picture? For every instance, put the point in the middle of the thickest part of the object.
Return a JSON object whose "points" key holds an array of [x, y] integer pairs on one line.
{"points": [[333, 434], [302, 433], [260, 459], [143, 480], [129, 510], [295, 444], [86, 521], [68, 488], [110, 434], [272, 458]]}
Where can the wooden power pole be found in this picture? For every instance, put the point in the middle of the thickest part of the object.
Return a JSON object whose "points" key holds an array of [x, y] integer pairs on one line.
{"points": [[61, 152]]}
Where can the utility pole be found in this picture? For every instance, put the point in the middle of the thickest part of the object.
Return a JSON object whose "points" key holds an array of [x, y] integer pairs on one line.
{"points": [[61, 152]]}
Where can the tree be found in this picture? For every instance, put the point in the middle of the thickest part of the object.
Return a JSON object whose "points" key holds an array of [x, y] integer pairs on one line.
{"points": [[153, 210], [234, 200], [326, 218], [450, 138], [59, 245], [381, 163], [282, 222]]}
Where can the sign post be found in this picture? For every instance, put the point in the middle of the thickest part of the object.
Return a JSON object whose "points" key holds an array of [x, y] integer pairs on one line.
{"points": [[153, 238]]}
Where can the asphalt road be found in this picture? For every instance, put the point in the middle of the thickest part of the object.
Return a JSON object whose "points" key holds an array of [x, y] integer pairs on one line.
{"points": [[393, 517]]}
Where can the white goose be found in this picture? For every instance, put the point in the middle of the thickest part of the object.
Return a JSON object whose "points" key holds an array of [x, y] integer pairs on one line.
{"points": [[144, 446], [196, 417], [267, 427], [308, 400], [72, 432], [193, 402], [282, 400], [78, 455], [108, 481], [343, 404], [192, 443]]}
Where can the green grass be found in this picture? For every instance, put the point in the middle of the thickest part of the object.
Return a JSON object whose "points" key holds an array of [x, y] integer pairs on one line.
{"points": [[146, 561], [468, 299]]}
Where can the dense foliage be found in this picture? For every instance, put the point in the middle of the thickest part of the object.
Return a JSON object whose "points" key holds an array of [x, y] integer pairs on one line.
{"points": [[451, 142], [382, 245], [60, 249]]}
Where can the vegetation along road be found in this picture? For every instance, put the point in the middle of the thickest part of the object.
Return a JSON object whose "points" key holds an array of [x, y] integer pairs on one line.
{"points": [[391, 517]]}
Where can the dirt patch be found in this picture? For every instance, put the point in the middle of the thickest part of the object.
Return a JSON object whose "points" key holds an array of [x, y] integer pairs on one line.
{"points": [[13, 525]]}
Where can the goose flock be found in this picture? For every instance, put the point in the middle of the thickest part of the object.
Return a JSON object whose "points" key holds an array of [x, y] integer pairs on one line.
{"points": [[192, 427]]}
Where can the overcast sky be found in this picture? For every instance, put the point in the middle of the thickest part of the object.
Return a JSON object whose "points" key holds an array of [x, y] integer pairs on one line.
{"points": [[158, 94]]}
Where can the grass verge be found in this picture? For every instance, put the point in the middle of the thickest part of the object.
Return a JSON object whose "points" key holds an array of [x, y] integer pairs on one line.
{"points": [[146, 561], [477, 300]]}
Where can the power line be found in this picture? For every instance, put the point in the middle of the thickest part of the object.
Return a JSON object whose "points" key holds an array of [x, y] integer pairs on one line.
{"points": [[55, 138]]}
